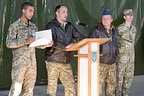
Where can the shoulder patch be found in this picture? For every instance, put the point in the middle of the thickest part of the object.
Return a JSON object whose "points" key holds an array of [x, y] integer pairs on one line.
{"points": [[8, 36]]}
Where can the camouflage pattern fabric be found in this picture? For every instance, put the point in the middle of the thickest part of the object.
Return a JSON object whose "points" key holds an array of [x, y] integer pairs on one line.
{"points": [[64, 73], [23, 72], [108, 77], [126, 58]]}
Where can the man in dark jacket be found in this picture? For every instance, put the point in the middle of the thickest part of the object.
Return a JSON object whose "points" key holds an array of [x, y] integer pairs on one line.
{"points": [[108, 51], [57, 59]]}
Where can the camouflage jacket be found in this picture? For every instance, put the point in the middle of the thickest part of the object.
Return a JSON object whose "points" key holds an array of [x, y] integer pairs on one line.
{"points": [[127, 38], [17, 34]]}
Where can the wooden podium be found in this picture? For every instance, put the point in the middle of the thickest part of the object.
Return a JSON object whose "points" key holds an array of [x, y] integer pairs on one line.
{"points": [[88, 65]]}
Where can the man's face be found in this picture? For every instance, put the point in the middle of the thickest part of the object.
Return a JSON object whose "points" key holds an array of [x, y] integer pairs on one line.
{"points": [[28, 12], [106, 20], [128, 18], [62, 14]]}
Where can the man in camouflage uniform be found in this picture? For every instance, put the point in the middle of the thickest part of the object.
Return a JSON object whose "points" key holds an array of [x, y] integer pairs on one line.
{"points": [[109, 52], [23, 72], [126, 53], [57, 59]]}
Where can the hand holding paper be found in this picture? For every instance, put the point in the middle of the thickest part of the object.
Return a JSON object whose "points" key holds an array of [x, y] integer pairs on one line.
{"points": [[42, 38], [39, 42], [30, 40]]}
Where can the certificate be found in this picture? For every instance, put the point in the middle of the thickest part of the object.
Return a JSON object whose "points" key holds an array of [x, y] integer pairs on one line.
{"points": [[42, 38]]}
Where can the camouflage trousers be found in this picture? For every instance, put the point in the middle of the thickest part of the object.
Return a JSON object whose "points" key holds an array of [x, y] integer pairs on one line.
{"points": [[108, 77], [23, 78], [125, 77], [64, 73]]}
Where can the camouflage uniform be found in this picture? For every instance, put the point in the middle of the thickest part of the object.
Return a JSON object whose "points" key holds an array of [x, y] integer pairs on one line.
{"points": [[107, 76], [126, 58], [61, 71], [23, 72]]}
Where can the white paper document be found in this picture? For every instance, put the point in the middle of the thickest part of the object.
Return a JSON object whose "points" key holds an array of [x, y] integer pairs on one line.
{"points": [[42, 38]]}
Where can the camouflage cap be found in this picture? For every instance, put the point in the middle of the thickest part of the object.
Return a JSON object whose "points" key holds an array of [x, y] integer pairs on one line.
{"points": [[128, 12]]}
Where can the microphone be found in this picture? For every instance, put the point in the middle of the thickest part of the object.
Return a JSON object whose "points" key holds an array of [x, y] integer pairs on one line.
{"points": [[81, 24]]}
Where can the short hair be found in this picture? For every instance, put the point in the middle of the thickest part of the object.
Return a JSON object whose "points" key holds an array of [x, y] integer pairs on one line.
{"points": [[58, 7], [26, 4]]}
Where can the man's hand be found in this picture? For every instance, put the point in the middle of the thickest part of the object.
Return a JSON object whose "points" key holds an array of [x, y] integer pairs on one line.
{"points": [[49, 44], [30, 40], [68, 46]]}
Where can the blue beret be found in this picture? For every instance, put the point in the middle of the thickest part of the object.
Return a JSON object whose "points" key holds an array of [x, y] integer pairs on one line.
{"points": [[106, 12]]}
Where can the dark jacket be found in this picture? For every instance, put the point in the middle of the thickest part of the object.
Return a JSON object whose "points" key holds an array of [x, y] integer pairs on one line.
{"points": [[109, 50], [61, 37]]}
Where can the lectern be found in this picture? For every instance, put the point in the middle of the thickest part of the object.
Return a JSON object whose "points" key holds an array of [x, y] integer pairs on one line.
{"points": [[88, 65]]}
